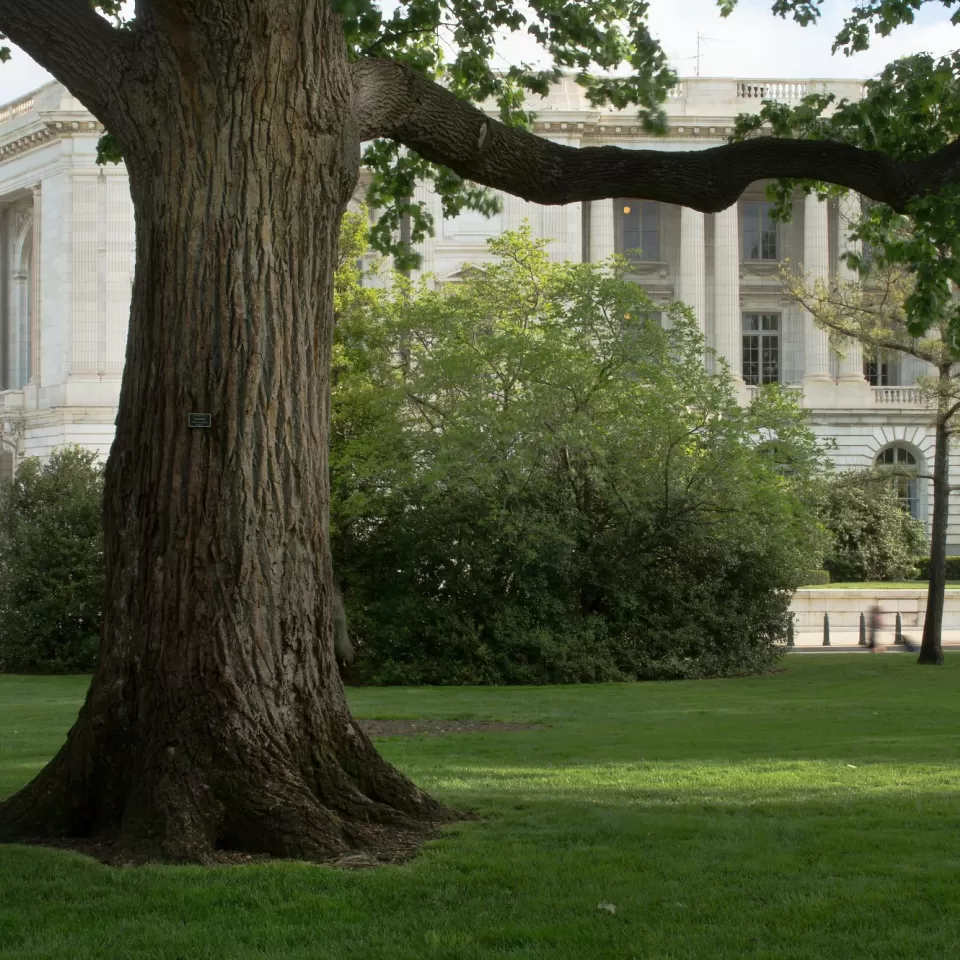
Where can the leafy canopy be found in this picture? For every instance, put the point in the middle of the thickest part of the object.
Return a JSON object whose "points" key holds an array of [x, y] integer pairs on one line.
{"points": [[910, 110], [606, 44]]}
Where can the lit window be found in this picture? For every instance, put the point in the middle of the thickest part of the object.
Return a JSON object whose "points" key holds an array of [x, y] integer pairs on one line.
{"points": [[639, 229], [761, 348], [759, 232]]}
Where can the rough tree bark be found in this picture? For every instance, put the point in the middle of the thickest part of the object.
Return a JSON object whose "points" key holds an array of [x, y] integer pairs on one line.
{"points": [[216, 718], [931, 649]]}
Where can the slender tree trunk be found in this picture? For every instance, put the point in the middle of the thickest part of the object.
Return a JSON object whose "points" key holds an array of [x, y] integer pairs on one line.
{"points": [[217, 718], [931, 650]]}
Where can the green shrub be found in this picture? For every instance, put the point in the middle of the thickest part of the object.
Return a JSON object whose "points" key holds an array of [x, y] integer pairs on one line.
{"points": [[873, 537], [51, 564], [552, 489], [816, 578], [953, 568]]}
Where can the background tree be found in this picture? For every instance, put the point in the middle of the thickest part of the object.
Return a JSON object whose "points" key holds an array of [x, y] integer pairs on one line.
{"points": [[216, 718], [871, 536], [553, 489], [908, 304], [51, 564], [873, 311]]}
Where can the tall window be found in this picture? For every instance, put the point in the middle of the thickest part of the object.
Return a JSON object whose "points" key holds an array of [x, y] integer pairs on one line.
{"points": [[759, 232], [905, 485], [879, 372], [761, 348], [639, 222]]}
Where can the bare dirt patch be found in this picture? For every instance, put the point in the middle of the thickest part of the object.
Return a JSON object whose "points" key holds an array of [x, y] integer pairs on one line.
{"points": [[438, 728]]}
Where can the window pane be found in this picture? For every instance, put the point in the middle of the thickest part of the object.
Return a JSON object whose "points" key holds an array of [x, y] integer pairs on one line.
{"points": [[770, 358], [759, 232], [751, 233], [907, 488], [751, 365], [639, 228], [650, 230]]}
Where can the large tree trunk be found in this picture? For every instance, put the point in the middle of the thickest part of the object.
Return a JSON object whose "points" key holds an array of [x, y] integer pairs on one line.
{"points": [[217, 719], [931, 650]]}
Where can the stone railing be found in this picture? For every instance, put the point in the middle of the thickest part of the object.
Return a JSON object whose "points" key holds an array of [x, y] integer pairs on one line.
{"points": [[771, 89], [16, 109], [677, 92], [897, 396], [796, 393]]}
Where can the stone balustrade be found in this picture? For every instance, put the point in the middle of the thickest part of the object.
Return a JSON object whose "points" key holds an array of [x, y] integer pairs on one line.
{"points": [[784, 90], [898, 396], [17, 108]]}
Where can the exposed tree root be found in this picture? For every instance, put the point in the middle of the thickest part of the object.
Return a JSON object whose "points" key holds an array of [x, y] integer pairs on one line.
{"points": [[333, 801]]}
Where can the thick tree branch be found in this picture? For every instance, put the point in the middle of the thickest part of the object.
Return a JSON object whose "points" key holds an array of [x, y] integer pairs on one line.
{"points": [[396, 102], [74, 43]]}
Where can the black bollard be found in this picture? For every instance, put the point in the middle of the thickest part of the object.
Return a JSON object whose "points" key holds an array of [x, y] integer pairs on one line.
{"points": [[899, 637], [790, 640], [863, 631], [826, 629]]}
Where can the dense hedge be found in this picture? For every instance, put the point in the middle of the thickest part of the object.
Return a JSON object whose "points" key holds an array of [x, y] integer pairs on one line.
{"points": [[51, 564], [953, 568]]}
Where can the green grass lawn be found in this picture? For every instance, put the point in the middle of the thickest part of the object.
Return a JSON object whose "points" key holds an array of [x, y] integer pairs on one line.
{"points": [[811, 813], [882, 585]]}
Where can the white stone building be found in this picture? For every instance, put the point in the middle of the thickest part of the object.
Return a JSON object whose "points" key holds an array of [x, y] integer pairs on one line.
{"points": [[67, 249]]}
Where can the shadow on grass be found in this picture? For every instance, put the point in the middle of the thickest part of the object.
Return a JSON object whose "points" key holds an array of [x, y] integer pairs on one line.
{"points": [[812, 875]]}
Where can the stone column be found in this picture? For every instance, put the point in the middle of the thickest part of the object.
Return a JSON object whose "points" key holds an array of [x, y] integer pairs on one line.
{"points": [[851, 363], [728, 325], [425, 195], [816, 264], [692, 279], [515, 211], [20, 367], [35, 268], [555, 230], [603, 241]]}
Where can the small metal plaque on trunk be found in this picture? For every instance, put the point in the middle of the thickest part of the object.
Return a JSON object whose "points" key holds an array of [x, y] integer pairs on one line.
{"points": [[198, 420]]}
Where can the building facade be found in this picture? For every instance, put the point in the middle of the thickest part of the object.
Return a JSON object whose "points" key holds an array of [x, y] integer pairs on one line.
{"points": [[67, 255]]}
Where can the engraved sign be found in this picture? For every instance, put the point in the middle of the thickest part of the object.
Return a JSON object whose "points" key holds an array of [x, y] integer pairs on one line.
{"points": [[198, 421]]}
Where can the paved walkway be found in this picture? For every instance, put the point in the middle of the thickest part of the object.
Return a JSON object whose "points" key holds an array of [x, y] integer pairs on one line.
{"points": [[811, 641]]}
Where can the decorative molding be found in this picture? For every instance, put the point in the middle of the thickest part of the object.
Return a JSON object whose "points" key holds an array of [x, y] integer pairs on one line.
{"points": [[50, 131], [12, 431], [24, 219], [757, 268], [649, 268]]}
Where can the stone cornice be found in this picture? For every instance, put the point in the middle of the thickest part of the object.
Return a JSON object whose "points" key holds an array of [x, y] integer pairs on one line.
{"points": [[44, 132]]}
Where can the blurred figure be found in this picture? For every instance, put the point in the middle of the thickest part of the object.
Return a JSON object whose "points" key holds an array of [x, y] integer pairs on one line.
{"points": [[909, 645], [874, 623]]}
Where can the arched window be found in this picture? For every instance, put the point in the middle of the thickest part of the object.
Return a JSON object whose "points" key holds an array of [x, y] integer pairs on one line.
{"points": [[905, 485]]}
